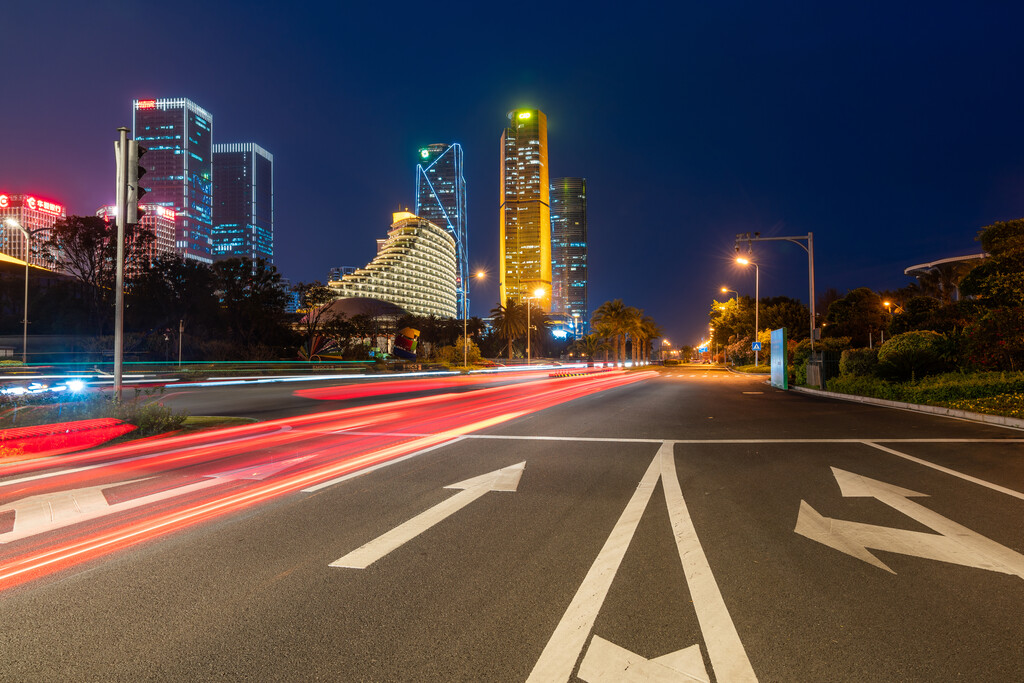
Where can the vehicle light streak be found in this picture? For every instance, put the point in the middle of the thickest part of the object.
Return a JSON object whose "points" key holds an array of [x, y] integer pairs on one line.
{"points": [[315, 449]]}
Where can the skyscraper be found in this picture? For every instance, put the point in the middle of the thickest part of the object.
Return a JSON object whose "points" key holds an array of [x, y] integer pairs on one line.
{"points": [[569, 250], [525, 217], [177, 134], [243, 202], [33, 214], [441, 199]]}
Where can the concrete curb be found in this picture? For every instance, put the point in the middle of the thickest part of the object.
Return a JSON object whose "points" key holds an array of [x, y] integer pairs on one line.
{"points": [[998, 420]]}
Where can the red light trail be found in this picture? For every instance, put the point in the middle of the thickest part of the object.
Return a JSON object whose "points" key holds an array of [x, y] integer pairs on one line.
{"points": [[119, 496]]}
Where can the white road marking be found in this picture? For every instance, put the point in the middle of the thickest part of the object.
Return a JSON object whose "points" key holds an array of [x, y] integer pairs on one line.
{"points": [[563, 649], [940, 468], [606, 662], [359, 473], [728, 658], [955, 544], [505, 479]]}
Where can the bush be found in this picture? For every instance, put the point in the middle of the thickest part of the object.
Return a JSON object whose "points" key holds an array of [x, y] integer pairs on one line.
{"points": [[913, 354], [934, 390], [858, 362]]}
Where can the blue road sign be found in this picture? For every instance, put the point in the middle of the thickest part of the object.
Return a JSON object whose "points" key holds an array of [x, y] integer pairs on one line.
{"points": [[756, 346]]}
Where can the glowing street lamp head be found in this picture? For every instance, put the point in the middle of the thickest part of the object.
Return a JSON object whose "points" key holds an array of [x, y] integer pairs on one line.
{"points": [[743, 261], [480, 274], [538, 292]]}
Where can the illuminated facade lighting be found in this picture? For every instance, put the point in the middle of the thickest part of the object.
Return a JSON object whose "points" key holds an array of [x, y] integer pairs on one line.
{"points": [[178, 135], [32, 213], [243, 207], [414, 269], [441, 199], [524, 213], [569, 248], [157, 219]]}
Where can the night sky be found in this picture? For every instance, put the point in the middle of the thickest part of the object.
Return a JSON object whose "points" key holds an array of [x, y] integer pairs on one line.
{"points": [[893, 131]]}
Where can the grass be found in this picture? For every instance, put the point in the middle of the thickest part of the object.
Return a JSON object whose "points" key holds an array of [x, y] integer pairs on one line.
{"points": [[762, 369]]}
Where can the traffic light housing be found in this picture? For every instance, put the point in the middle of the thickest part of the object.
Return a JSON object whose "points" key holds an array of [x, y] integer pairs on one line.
{"points": [[135, 191]]}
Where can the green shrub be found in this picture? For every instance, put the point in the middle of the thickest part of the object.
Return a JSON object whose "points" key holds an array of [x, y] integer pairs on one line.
{"points": [[763, 368], [913, 354], [933, 390], [858, 362]]}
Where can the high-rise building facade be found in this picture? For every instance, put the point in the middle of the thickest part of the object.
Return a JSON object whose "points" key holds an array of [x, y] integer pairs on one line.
{"points": [[243, 202], [34, 214], [524, 215], [178, 137], [569, 250], [441, 199], [157, 219], [414, 269]]}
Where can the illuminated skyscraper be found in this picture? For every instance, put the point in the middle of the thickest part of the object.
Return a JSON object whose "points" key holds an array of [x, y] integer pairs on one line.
{"points": [[177, 134], [525, 217], [569, 249], [243, 202], [34, 214], [441, 199]]}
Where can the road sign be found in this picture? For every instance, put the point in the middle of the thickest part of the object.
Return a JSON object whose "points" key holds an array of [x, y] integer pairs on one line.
{"points": [[953, 543], [756, 346]]}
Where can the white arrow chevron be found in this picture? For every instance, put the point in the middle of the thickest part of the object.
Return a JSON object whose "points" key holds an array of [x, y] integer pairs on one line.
{"points": [[606, 662]]}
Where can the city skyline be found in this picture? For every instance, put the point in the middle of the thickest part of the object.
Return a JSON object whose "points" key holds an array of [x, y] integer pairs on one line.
{"points": [[886, 131]]}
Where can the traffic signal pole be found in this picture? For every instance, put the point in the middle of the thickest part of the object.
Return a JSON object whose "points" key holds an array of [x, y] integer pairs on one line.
{"points": [[121, 153]]}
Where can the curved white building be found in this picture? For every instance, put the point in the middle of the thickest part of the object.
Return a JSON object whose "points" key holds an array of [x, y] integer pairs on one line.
{"points": [[415, 268]]}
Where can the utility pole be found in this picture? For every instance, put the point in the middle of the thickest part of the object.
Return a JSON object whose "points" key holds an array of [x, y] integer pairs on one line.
{"points": [[121, 155]]}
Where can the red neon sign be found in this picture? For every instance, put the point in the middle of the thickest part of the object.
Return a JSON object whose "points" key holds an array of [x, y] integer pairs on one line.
{"points": [[44, 206], [5, 201], [146, 104]]}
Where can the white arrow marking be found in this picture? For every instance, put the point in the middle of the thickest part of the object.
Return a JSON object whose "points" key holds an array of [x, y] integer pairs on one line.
{"points": [[954, 543], [505, 479], [606, 662], [48, 511]]}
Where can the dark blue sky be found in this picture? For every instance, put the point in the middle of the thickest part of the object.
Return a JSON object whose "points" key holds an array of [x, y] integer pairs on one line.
{"points": [[890, 130]]}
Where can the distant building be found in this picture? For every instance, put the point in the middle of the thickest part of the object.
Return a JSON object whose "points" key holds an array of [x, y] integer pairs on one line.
{"points": [[569, 250], [441, 199], [243, 202], [524, 213], [32, 213], [177, 134], [338, 272], [157, 219], [415, 269]]}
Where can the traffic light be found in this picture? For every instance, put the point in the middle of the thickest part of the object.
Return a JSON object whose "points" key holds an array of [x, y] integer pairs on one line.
{"points": [[135, 191]]}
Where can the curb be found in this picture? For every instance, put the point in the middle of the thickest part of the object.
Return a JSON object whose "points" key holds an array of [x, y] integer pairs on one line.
{"points": [[997, 420]]}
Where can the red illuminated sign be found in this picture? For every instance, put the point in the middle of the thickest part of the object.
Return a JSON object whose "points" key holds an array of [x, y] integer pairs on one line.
{"points": [[146, 104], [5, 201], [44, 206]]}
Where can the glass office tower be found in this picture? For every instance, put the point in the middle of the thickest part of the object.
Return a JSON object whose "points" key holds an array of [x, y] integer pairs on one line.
{"points": [[243, 202], [569, 250], [177, 134], [524, 215], [441, 199]]}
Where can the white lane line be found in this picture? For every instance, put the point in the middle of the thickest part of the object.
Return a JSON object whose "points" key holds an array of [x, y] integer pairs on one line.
{"points": [[560, 654], [728, 658], [940, 468], [359, 473]]}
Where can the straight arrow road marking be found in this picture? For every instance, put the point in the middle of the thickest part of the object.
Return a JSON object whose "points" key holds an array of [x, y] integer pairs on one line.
{"points": [[954, 543], [505, 479]]}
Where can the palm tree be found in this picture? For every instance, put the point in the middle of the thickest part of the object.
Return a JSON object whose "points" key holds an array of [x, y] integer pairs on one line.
{"points": [[589, 345], [610, 319], [644, 331], [509, 322]]}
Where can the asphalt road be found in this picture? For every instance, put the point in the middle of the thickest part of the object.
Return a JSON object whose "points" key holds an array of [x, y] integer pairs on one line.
{"points": [[651, 535]]}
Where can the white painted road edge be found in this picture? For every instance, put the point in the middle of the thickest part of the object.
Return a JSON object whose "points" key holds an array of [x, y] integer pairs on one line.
{"points": [[946, 470]]}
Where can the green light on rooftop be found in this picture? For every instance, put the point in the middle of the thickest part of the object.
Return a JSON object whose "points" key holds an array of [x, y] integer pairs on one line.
{"points": [[424, 153], [524, 115]]}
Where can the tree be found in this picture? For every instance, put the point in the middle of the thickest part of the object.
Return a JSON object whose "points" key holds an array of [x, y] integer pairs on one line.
{"points": [[509, 322], [252, 301], [170, 289], [314, 300], [858, 315], [589, 345], [85, 247], [999, 279], [615, 320]]}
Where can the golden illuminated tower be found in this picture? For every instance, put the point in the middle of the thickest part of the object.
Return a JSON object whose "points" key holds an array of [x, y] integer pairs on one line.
{"points": [[525, 214]]}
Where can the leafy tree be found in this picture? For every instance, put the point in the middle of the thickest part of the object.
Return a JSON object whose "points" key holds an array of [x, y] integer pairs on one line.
{"points": [[314, 300], [858, 315], [589, 345], [85, 247], [782, 311], [999, 279], [252, 301], [170, 289]]}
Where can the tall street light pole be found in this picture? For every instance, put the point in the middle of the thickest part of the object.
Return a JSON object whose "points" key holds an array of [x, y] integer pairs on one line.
{"points": [[11, 223], [757, 302], [797, 240], [465, 333]]}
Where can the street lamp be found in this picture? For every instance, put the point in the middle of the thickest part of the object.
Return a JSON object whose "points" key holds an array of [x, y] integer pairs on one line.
{"points": [[11, 223], [465, 333], [757, 301], [537, 293]]}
